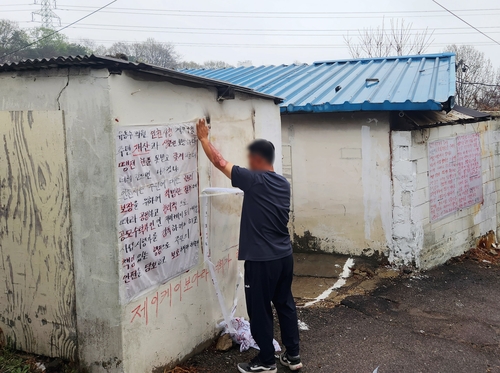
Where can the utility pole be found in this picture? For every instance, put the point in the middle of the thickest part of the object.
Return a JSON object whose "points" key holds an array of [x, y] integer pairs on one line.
{"points": [[46, 13]]}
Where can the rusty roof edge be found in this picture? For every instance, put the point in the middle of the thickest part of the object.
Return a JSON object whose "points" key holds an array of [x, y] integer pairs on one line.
{"points": [[471, 112], [494, 114], [430, 119]]}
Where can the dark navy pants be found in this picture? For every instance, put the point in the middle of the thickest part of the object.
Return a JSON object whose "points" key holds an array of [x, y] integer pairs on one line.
{"points": [[266, 283]]}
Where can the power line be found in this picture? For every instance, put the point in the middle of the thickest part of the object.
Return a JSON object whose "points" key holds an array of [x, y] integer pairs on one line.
{"points": [[280, 12], [57, 31], [161, 12], [16, 10], [464, 21], [232, 32], [260, 46], [477, 83]]}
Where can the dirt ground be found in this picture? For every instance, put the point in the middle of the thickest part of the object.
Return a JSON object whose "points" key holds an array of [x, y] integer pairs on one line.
{"points": [[443, 321]]}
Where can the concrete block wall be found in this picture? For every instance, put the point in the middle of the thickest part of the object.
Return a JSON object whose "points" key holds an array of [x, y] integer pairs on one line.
{"points": [[417, 240]]}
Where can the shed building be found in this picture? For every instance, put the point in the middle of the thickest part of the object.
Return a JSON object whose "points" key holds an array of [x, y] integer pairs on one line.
{"points": [[99, 225], [356, 139]]}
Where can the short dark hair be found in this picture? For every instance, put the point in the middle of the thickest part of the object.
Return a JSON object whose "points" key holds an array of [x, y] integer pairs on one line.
{"points": [[262, 148]]}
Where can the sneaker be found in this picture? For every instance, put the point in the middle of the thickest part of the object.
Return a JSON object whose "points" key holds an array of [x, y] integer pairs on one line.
{"points": [[292, 362], [256, 366]]}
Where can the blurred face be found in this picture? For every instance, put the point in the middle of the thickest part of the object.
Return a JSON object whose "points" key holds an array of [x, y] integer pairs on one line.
{"points": [[257, 163]]}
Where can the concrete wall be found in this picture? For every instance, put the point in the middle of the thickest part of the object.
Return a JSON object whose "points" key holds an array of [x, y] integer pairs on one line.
{"points": [[187, 319], [112, 337], [83, 96], [339, 164], [417, 240]]}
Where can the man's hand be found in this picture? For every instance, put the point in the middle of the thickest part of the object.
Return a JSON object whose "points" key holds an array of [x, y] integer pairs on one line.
{"points": [[212, 153], [202, 130]]}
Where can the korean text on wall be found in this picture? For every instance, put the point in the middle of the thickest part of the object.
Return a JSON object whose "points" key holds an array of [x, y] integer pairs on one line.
{"points": [[157, 204], [455, 178]]}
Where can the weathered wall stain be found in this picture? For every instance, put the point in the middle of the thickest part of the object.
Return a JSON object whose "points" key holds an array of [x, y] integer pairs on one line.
{"points": [[306, 243], [37, 291], [339, 168]]}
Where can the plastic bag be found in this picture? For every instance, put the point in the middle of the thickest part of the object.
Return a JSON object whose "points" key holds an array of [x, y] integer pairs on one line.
{"points": [[243, 336]]}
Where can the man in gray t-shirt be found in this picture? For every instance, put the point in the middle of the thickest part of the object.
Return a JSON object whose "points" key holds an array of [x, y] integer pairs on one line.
{"points": [[266, 249], [266, 207]]}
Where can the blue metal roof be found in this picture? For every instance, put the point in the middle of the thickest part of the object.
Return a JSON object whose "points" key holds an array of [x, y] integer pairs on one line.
{"points": [[423, 82]]}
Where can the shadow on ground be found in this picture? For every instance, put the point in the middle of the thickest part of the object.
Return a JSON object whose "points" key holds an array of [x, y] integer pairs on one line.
{"points": [[444, 321]]}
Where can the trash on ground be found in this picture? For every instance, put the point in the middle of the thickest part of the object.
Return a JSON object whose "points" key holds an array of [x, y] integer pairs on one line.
{"points": [[303, 325], [243, 336], [224, 343]]}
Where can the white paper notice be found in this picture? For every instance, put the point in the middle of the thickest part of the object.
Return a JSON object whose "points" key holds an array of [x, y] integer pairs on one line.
{"points": [[157, 203]]}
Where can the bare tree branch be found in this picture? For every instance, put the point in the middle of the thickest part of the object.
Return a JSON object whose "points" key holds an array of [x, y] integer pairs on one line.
{"points": [[398, 40], [478, 84]]}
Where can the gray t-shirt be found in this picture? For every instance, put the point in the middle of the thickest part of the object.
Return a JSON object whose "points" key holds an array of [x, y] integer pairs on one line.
{"points": [[264, 232]]}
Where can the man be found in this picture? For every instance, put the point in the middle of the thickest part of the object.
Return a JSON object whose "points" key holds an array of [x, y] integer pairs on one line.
{"points": [[266, 249]]}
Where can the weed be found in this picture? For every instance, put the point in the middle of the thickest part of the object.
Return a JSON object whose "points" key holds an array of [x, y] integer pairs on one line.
{"points": [[12, 363]]}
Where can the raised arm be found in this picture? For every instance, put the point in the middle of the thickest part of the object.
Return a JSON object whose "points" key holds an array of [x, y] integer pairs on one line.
{"points": [[212, 153]]}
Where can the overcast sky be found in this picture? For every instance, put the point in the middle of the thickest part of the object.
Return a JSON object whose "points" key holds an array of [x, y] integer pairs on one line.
{"points": [[266, 31]]}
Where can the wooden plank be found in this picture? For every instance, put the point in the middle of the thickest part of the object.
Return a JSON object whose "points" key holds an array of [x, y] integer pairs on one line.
{"points": [[37, 289]]}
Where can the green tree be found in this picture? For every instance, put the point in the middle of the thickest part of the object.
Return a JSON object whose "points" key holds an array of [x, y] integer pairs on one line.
{"points": [[52, 45], [12, 38], [17, 44]]}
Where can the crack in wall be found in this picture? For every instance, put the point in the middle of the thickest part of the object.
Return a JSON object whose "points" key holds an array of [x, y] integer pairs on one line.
{"points": [[61, 92]]}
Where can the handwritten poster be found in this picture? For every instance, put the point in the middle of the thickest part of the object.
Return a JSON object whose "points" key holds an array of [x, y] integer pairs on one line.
{"points": [[455, 176], [158, 219], [442, 178], [469, 172]]}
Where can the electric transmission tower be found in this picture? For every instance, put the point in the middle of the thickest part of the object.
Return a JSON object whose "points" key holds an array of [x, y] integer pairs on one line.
{"points": [[46, 13]]}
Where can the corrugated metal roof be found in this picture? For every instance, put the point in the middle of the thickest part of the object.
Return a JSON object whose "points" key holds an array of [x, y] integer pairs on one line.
{"points": [[412, 120], [118, 65], [423, 82]]}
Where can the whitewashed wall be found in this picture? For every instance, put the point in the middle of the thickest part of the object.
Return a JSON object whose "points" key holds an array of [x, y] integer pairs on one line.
{"points": [[417, 240], [340, 171], [187, 320], [94, 102], [83, 96]]}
